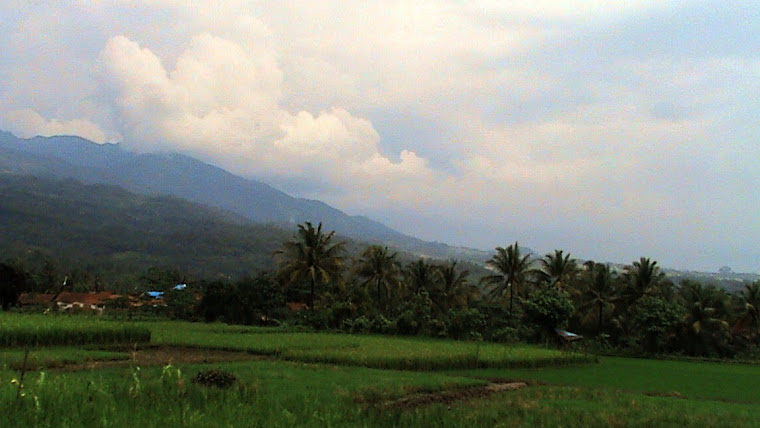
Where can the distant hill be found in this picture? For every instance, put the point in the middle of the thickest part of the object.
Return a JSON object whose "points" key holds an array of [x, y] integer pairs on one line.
{"points": [[112, 232], [118, 235], [188, 178]]}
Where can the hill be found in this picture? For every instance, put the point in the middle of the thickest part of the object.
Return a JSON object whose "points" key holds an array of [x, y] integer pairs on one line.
{"points": [[112, 232], [118, 235], [188, 178]]}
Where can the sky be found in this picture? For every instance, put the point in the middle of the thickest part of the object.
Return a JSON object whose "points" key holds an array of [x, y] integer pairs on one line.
{"points": [[608, 129]]}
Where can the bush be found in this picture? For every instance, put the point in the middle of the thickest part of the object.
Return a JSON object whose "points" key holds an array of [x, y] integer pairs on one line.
{"points": [[463, 323], [505, 335], [381, 325], [549, 308], [216, 378], [360, 325]]}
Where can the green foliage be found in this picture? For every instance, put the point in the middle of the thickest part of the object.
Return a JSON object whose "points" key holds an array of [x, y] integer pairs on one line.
{"points": [[13, 281], [215, 377], [312, 258], [462, 324], [380, 272], [55, 227], [414, 315], [251, 300], [511, 269], [180, 304], [549, 308], [655, 320]]}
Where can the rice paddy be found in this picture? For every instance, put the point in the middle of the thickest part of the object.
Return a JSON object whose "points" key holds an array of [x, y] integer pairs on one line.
{"points": [[49, 330], [296, 378]]}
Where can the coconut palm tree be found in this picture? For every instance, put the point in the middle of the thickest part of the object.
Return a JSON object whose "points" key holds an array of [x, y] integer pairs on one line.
{"points": [[421, 276], [454, 288], [705, 324], [557, 269], [643, 279], [599, 293], [749, 299], [310, 256], [381, 269], [510, 268]]}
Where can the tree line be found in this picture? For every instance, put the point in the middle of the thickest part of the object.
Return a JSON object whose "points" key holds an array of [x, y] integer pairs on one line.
{"points": [[636, 309], [522, 297]]}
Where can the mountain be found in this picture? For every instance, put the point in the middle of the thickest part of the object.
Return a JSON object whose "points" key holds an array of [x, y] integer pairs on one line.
{"points": [[108, 231], [185, 177]]}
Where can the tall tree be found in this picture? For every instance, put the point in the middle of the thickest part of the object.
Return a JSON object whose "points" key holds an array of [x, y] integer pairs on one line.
{"points": [[705, 322], [558, 269], [643, 278], [599, 293], [454, 288], [381, 270], [13, 281], [310, 256], [510, 268], [749, 310], [421, 275]]}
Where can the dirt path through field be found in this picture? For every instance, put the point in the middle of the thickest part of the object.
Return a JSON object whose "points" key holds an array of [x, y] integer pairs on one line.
{"points": [[162, 355], [451, 396]]}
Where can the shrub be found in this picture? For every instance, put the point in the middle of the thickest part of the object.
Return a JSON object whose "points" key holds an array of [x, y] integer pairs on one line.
{"points": [[505, 335], [360, 325], [216, 378], [381, 325]]}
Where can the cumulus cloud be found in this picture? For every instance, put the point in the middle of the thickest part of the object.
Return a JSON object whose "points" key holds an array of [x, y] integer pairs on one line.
{"points": [[609, 130], [222, 100], [28, 123]]}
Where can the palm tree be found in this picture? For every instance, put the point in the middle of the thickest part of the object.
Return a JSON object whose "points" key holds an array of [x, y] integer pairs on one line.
{"points": [[705, 307], [643, 277], [750, 310], [600, 291], [310, 255], [454, 288], [421, 276], [557, 269], [510, 268], [380, 268]]}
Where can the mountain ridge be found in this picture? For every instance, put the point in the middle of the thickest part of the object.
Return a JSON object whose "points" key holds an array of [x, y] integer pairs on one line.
{"points": [[192, 179]]}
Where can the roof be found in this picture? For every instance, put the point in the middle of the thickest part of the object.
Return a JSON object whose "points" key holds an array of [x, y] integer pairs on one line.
{"points": [[297, 306], [570, 337], [35, 299], [86, 298], [66, 297]]}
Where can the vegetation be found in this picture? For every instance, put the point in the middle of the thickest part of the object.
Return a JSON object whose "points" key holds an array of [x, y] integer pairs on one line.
{"points": [[311, 256], [40, 330], [633, 311], [99, 234], [273, 392]]}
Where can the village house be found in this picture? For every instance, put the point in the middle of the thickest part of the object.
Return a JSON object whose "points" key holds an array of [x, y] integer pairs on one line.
{"points": [[65, 300]]}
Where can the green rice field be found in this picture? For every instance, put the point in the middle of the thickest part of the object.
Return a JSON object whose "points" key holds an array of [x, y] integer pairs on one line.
{"points": [[291, 378]]}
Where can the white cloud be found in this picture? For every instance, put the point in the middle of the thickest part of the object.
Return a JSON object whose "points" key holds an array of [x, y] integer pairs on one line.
{"points": [[28, 123], [222, 101], [544, 114]]}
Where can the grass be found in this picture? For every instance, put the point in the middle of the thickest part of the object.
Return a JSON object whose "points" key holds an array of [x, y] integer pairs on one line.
{"points": [[30, 330], [56, 357], [699, 380], [316, 379], [281, 393], [558, 406], [269, 393], [403, 353]]}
